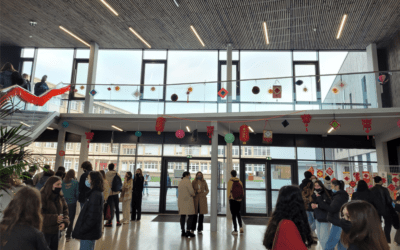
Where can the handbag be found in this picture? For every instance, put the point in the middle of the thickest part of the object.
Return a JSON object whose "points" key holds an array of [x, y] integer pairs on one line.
{"points": [[107, 212]]}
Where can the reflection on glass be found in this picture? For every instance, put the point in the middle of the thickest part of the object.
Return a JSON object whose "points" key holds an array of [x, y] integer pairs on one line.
{"points": [[274, 198], [174, 174], [153, 75], [151, 168], [345, 154], [265, 151], [256, 202], [310, 153], [184, 150], [304, 166], [281, 175], [255, 176], [149, 149], [308, 90]]}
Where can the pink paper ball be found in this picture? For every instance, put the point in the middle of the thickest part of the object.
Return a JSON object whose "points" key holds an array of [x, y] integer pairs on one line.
{"points": [[180, 134]]}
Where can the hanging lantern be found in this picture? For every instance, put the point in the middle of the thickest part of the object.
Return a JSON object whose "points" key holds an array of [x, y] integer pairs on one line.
{"points": [[210, 132], [270, 91], [117, 88], [367, 126], [267, 137], [255, 90], [244, 133], [109, 89], [299, 82], [180, 134], [190, 89], [82, 87], [229, 138], [160, 124], [89, 136], [335, 91], [153, 89], [306, 120], [305, 90], [334, 124], [174, 97], [222, 92], [65, 124], [138, 134]]}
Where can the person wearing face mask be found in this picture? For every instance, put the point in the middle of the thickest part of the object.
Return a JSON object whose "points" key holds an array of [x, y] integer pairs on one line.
{"points": [[126, 197], [314, 178], [54, 211], [307, 189], [83, 189], [137, 189], [88, 227], [200, 201], [186, 204]]}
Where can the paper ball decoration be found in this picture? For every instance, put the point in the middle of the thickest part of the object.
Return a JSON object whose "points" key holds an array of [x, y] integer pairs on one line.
{"points": [[82, 87], [299, 82], [270, 91], [335, 91], [255, 90], [93, 92], [305, 90], [180, 134], [190, 89], [61, 153], [137, 94], [285, 123], [222, 92], [109, 89], [65, 124], [138, 133], [229, 138], [174, 97], [153, 89], [117, 88]]}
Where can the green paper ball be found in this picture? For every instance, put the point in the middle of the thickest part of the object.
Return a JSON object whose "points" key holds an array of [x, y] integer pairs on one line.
{"points": [[138, 133], [229, 138]]}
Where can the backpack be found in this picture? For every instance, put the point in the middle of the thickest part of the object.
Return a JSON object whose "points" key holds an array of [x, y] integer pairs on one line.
{"points": [[41, 182], [237, 191], [116, 185]]}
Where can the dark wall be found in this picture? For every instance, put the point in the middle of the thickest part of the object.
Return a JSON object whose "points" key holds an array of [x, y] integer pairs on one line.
{"points": [[384, 66], [10, 54], [393, 148]]}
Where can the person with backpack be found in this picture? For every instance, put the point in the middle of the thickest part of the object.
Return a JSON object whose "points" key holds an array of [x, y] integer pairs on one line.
{"points": [[83, 189], [70, 189], [37, 177], [186, 204], [115, 181], [235, 195], [43, 180]]}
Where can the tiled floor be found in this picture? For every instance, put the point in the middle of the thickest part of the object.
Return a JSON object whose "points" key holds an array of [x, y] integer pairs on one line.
{"points": [[148, 235]]}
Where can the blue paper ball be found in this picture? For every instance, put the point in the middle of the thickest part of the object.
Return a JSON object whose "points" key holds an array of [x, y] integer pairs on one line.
{"points": [[65, 124], [138, 133]]}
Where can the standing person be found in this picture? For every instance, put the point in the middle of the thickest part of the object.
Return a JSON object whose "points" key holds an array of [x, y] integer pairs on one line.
{"points": [[339, 198], [381, 200], [147, 178], [88, 227], [70, 189], [137, 189], [126, 196], [37, 177], [328, 182], [27, 84], [9, 76], [114, 179], [288, 227], [22, 222], [28, 176], [307, 190], [106, 192], [320, 214], [83, 189], [54, 211], [314, 178], [60, 174], [186, 204], [41, 87], [45, 177], [200, 188], [235, 195], [362, 192], [10, 184]]}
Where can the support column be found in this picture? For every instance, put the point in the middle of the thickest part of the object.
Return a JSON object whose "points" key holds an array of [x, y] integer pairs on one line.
{"points": [[84, 154], [381, 154], [372, 65], [60, 146], [229, 78], [91, 80], [227, 174], [214, 177]]}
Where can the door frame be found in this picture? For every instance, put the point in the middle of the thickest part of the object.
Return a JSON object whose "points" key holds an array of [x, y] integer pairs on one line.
{"points": [[237, 64]]}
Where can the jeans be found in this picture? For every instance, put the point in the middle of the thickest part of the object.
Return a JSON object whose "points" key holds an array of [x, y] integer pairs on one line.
{"points": [[235, 211], [311, 220], [323, 230], [201, 219], [113, 200], [189, 222], [334, 239], [52, 240], [71, 214], [145, 186], [388, 227], [136, 205], [87, 244]]}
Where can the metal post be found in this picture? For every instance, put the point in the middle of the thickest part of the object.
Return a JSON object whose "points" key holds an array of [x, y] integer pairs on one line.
{"points": [[214, 177], [229, 78], [91, 80], [228, 169]]}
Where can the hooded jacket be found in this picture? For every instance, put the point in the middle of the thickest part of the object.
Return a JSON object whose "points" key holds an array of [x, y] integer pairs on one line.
{"points": [[307, 199]]}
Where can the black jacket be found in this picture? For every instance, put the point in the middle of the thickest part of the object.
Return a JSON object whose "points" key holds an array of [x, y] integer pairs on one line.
{"points": [[90, 221], [363, 196], [138, 184], [321, 214], [82, 187], [381, 199], [338, 199], [304, 184], [40, 88], [25, 237]]}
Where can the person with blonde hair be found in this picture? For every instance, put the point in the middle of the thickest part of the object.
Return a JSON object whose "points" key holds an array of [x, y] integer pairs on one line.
{"points": [[126, 197], [200, 201], [70, 189], [137, 189]]}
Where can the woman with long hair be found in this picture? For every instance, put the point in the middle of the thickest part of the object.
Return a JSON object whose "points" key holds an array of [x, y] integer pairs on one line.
{"points": [[70, 189], [288, 227], [10, 184], [22, 222], [126, 197], [137, 189], [88, 227], [362, 192], [106, 192], [186, 204], [200, 201]]}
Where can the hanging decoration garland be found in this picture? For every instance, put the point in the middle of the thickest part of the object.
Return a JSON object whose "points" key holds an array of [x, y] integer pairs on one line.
{"points": [[267, 137], [306, 120], [180, 134], [28, 97], [210, 132], [89, 136], [160, 124], [367, 126], [244, 135], [229, 138]]}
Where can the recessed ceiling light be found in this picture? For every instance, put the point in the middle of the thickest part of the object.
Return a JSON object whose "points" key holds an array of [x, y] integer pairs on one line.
{"points": [[120, 129], [197, 35], [188, 129], [251, 129], [109, 7], [141, 38], [177, 3], [75, 36], [49, 128], [341, 26], [23, 123], [330, 130], [266, 33]]}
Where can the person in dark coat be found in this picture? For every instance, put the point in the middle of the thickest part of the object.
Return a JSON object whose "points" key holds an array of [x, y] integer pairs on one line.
{"points": [[83, 189], [381, 200], [307, 188], [137, 190], [362, 192], [9, 76], [27, 83], [41, 87], [339, 198], [88, 227]]}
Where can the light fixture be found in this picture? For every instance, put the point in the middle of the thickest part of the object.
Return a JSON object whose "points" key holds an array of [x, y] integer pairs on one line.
{"points": [[23, 123], [341, 26], [188, 129], [198, 37], [141, 38], [330, 130], [120, 129], [266, 33], [176, 3], [109, 7], [76, 37], [49, 128], [251, 129]]}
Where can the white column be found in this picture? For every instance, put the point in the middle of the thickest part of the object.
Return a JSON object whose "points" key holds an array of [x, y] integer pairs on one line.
{"points": [[214, 177], [91, 80], [227, 175], [381, 153], [372, 65], [84, 154], [229, 78], [60, 146]]}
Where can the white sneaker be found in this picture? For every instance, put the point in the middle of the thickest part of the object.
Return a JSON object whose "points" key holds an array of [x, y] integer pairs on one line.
{"points": [[235, 232]]}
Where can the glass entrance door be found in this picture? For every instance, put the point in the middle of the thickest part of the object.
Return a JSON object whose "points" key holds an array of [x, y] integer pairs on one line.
{"points": [[280, 174]]}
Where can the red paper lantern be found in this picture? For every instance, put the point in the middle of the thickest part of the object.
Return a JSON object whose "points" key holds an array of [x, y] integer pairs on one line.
{"points": [[160, 124], [367, 126], [180, 134], [306, 120], [244, 133], [210, 132]]}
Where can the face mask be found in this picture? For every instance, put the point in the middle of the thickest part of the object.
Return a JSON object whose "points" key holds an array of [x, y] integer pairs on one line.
{"points": [[137, 174], [319, 190], [199, 178], [334, 190], [56, 190], [314, 180], [87, 183]]}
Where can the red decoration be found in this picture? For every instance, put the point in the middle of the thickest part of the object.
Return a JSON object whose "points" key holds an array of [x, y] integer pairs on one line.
{"points": [[109, 89], [346, 178], [61, 153], [267, 137], [277, 91], [367, 126], [306, 120], [244, 133], [160, 124], [28, 97], [320, 173], [352, 183], [334, 179], [180, 134], [329, 171], [398, 123], [210, 132], [356, 176], [89, 136], [395, 180], [222, 92], [311, 170], [392, 187], [366, 176]]}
